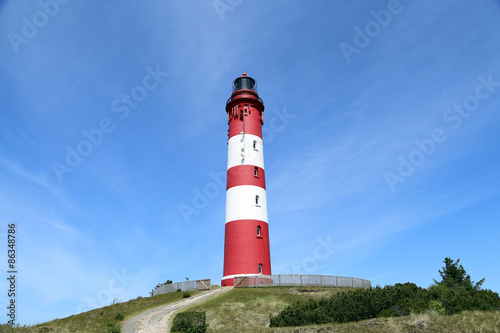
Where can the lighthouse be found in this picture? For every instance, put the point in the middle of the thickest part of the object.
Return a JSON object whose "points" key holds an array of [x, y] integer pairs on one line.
{"points": [[246, 240]]}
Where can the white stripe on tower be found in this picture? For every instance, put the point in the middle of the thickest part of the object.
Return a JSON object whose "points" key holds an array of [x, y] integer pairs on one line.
{"points": [[246, 202], [242, 146]]}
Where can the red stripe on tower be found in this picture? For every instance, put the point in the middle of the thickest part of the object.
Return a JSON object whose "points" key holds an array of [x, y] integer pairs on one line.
{"points": [[246, 175], [246, 242]]}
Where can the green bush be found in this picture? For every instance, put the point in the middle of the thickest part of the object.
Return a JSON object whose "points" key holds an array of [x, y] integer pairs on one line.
{"points": [[190, 322], [437, 306], [119, 316], [179, 290], [390, 301], [455, 300], [113, 328], [386, 313], [355, 305], [186, 295], [455, 293]]}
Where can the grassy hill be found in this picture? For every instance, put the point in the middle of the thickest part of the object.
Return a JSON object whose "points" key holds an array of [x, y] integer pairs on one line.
{"points": [[96, 321], [248, 310]]}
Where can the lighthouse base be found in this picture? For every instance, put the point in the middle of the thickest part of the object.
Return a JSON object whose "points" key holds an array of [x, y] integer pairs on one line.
{"points": [[229, 282], [246, 280]]}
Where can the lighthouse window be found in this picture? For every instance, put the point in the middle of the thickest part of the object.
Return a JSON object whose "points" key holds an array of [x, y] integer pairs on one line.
{"points": [[256, 172], [260, 268], [258, 230], [255, 144], [256, 199]]}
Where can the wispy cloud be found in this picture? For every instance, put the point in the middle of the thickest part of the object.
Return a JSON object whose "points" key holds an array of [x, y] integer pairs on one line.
{"points": [[39, 179], [60, 225]]}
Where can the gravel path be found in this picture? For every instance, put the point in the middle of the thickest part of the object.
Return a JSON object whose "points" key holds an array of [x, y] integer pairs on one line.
{"points": [[157, 320]]}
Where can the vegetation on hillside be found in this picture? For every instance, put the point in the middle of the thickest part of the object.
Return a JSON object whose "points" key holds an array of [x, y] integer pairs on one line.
{"points": [[455, 277], [390, 301], [455, 293], [190, 322], [250, 309], [108, 319]]}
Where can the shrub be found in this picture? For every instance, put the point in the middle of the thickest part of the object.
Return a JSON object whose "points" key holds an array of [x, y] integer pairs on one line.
{"points": [[113, 328], [455, 300], [355, 305], [179, 290], [190, 322], [437, 306], [386, 313], [186, 295], [119, 316], [455, 293], [390, 301]]}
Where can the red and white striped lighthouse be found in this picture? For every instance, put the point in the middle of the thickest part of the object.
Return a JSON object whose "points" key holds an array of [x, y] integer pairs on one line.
{"points": [[246, 243]]}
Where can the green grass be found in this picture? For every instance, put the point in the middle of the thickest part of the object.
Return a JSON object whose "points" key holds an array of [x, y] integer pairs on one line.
{"points": [[248, 309], [429, 322], [96, 321]]}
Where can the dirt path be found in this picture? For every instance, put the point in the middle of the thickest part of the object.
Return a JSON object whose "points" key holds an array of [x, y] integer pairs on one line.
{"points": [[157, 320]]}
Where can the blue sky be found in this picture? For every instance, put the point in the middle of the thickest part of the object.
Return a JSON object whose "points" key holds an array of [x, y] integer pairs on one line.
{"points": [[381, 141]]}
